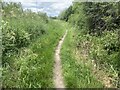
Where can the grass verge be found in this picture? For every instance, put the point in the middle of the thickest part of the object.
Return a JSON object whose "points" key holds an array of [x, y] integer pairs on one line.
{"points": [[33, 66], [76, 73]]}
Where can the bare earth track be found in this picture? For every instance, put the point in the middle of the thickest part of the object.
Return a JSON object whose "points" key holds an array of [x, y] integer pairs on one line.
{"points": [[58, 78]]}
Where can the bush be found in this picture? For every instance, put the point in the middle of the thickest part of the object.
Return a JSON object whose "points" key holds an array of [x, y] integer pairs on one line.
{"points": [[20, 29]]}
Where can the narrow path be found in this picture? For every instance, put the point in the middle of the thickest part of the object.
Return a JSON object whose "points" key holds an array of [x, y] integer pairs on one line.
{"points": [[58, 78]]}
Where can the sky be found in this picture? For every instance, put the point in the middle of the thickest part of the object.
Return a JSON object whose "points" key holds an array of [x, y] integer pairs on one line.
{"points": [[51, 7]]}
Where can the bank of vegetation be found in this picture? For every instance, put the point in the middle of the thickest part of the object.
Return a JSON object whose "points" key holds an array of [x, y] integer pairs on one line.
{"points": [[28, 43], [96, 39]]}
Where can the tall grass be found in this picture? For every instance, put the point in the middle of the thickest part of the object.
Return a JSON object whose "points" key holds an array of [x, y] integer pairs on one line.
{"points": [[103, 51], [29, 40], [76, 73], [33, 65]]}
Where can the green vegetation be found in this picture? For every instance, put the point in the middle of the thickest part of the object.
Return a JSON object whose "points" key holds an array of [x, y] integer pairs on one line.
{"points": [[96, 36], [29, 41], [76, 72], [90, 54]]}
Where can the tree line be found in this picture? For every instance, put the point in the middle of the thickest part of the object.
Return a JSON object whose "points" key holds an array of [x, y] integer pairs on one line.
{"points": [[96, 18]]}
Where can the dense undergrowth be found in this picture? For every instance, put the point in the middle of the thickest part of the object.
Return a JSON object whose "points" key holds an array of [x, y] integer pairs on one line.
{"points": [[94, 49], [97, 26], [29, 40], [28, 43], [76, 73]]}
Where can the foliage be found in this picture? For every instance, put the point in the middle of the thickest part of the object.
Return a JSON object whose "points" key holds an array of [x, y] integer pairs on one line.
{"points": [[65, 14], [97, 16], [98, 25], [102, 16], [77, 74], [28, 44], [19, 31]]}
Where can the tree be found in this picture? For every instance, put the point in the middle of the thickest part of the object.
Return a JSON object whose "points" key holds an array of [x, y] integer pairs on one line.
{"points": [[66, 13]]}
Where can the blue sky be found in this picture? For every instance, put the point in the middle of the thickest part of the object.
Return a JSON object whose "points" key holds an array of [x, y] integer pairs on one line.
{"points": [[51, 7]]}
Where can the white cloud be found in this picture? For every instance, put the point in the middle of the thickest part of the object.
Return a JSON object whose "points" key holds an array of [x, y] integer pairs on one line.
{"points": [[51, 7], [35, 9], [28, 4], [38, 0], [55, 1], [60, 6]]}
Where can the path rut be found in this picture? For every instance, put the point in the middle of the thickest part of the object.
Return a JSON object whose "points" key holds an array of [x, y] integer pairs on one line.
{"points": [[58, 78]]}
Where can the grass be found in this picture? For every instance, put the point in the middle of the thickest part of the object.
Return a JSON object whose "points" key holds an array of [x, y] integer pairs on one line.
{"points": [[76, 73], [29, 41], [103, 52], [33, 67]]}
